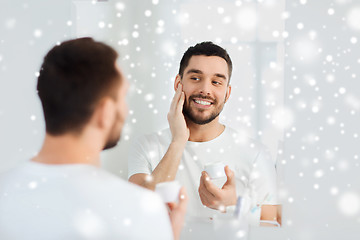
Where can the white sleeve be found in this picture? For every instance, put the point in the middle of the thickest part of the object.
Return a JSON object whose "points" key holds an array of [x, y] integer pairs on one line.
{"points": [[138, 158], [263, 188]]}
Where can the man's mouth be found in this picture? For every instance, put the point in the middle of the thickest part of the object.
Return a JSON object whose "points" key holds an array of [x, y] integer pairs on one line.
{"points": [[202, 102]]}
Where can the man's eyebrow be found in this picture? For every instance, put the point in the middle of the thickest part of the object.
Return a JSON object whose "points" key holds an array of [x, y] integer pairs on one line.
{"points": [[219, 75], [194, 71]]}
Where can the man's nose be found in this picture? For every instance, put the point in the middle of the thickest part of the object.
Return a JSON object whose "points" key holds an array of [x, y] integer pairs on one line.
{"points": [[205, 87]]}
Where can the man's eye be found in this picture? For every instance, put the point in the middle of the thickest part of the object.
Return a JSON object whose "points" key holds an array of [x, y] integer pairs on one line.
{"points": [[195, 78], [216, 82]]}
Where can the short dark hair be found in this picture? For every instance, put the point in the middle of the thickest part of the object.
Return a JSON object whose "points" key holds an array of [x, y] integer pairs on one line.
{"points": [[207, 49], [74, 76]]}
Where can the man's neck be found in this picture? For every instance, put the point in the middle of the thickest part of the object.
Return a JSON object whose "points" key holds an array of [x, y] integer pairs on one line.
{"points": [[206, 132], [67, 149]]}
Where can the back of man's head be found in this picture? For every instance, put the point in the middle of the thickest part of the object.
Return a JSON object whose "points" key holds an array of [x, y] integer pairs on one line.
{"points": [[74, 76], [206, 49]]}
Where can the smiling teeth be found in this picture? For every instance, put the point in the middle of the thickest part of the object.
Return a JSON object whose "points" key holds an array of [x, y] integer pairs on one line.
{"points": [[202, 102]]}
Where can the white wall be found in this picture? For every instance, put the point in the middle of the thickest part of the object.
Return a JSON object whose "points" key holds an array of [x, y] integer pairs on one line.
{"points": [[322, 88], [28, 29]]}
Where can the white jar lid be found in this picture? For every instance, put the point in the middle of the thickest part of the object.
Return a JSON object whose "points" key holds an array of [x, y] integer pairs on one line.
{"points": [[215, 170], [168, 191]]}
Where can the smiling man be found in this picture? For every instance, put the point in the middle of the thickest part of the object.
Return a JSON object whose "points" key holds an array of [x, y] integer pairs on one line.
{"points": [[196, 138]]}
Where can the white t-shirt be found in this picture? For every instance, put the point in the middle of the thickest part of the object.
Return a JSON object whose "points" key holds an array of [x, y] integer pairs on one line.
{"points": [[77, 201], [253, 167]]}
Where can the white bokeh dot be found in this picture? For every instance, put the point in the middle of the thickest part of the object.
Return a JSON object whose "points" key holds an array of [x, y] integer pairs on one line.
{"points": [[101, 24], [334, 191], [32, 185], [275, 34], [135, 34], [297, 90], [319, 173], [353, 40], [330, 78], [240, 234], [127, 222], [147, 13], [120, 6], [282, 118], [37, 33], [315, 109], [342, 90], [331, 120], [349, 203], [353, 18], [161, 23]]}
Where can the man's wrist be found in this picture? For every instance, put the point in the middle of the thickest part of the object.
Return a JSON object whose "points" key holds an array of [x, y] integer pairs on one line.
{"points": [[178, 143]]}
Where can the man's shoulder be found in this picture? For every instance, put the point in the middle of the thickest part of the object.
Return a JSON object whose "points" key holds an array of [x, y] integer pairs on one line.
{"points": [[14, 172], [243, 140]]}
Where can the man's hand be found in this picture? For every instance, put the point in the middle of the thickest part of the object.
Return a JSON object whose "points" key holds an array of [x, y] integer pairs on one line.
{"points": [[177, 213], [179, 130], [214, 197]]}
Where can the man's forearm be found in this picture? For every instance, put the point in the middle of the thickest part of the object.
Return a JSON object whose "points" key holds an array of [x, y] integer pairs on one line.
{"points": [[168, 166]]}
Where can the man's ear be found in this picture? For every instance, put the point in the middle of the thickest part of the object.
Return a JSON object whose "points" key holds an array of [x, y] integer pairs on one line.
{"points": [[228, 92], [105, 113], [177, 81]]}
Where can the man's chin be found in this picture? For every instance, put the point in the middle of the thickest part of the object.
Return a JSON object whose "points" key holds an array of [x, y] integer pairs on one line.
{"points": [[200, 116], [201, 120]]}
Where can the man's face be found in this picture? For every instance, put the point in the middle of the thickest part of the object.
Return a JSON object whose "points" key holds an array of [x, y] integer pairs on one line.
{"points": [[121, 114], [205, 84]]}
